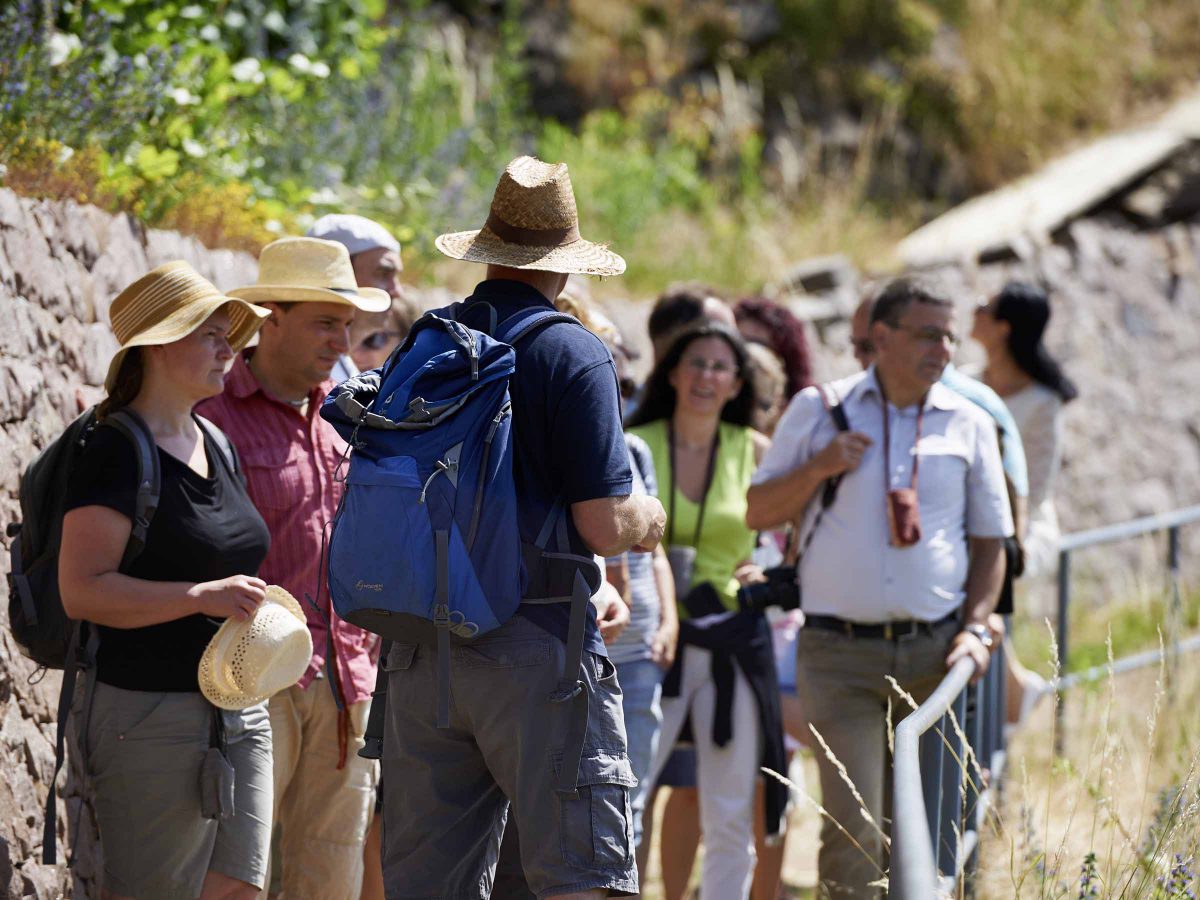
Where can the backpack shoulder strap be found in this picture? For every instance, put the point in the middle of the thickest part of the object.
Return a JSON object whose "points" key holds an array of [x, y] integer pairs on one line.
{"points": [[523, 323], [221, 439], [138, 433], [833, 404]]}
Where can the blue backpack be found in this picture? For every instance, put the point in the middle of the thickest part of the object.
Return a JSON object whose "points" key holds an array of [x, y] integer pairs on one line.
{"points": [[425, 528]]}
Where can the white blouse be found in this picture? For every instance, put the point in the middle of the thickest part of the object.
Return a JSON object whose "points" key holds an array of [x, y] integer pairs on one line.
{"points": [[1038, 412]]}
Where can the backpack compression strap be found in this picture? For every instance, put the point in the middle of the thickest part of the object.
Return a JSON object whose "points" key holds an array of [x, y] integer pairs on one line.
{"points": [[221, 439]]}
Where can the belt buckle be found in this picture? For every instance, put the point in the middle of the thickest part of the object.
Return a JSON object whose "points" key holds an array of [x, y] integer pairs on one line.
{"points": [[910, 634]]}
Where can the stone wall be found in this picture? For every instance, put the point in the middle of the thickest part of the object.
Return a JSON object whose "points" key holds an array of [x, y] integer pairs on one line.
{"points": [[60, 267]]}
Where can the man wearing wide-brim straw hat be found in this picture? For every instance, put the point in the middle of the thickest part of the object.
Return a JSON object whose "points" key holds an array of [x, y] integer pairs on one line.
{"points": [[323, 789], [450, 794]]}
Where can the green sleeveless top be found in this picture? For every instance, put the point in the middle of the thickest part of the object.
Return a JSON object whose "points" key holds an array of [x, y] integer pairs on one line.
{"points": [[725, 540]]}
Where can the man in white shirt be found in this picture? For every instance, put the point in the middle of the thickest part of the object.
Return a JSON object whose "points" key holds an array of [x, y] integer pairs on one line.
{"points": [[906, 599]]}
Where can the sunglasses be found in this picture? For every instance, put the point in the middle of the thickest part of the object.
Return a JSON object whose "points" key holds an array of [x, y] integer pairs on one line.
{"points": [[377, 340]]}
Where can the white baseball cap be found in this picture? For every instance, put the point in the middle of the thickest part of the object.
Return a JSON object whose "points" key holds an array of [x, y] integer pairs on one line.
{"points": [[357, 233]]}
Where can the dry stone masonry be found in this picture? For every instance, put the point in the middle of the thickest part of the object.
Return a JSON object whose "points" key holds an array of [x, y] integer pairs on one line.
{"points": [[60, 266]]}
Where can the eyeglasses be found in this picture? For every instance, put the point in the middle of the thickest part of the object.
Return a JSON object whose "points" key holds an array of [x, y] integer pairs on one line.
{"points": [[929, 335], [717, 367], [863, 346], [377, 340]]}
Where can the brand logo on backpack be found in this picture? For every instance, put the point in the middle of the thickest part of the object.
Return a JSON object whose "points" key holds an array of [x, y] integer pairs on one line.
{"points": [[363, 586]]}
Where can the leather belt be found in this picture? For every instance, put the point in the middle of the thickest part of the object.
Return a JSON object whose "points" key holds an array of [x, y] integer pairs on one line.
{"points": [[889, 631]]}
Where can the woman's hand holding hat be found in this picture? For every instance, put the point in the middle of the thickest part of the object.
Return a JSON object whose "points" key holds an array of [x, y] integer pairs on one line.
{"points": [[237, 596]]}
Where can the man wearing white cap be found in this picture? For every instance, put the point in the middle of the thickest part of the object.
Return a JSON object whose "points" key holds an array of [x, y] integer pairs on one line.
{"points": [[323, 791], [375, 256]]}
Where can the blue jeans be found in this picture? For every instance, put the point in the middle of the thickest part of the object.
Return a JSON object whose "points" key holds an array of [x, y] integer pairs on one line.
{"points": [[641, 693]]}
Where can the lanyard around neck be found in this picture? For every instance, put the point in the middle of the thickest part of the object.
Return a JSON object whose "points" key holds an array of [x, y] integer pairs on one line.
{"points": [[887, 441], [708, 480]]}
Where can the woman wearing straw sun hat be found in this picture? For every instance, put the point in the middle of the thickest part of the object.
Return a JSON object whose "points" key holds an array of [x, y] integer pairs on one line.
{"points": [[148, 737]]}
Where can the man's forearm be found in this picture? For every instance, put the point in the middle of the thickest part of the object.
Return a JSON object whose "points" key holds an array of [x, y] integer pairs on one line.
{"points": [[985, 577], [612, 525], [781, 500]]}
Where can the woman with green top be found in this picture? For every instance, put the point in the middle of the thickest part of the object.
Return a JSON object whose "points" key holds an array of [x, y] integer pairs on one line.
{"points": [[695, 418]]}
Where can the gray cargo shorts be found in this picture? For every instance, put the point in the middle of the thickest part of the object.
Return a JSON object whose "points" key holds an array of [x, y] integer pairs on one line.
{"points": [[143, 758], [448, 793]]}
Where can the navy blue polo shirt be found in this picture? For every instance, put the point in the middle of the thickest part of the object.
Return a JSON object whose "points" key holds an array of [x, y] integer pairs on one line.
{"points": [[568, 439]]}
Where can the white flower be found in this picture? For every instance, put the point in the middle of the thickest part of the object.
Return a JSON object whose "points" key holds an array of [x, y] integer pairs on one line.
{"points": [[191, 12], [324, 197], [210, 33], [247, 69], [273, 21], [320, 70], [274, 226], [234, 19], [300, 62], [183, 97], [61, 47], [65, 153], [193, 148]]}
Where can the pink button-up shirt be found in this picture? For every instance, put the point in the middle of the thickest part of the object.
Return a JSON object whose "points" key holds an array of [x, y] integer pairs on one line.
{"points": [[289, 460]]}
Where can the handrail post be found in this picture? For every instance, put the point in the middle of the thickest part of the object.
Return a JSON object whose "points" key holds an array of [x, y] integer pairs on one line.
{"points": [[1174, 601], [1064, 604]]}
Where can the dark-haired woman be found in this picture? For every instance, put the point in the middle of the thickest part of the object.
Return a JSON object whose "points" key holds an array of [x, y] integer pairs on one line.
{"points": [[150, 729], [766, 322], [695, 417], [1010, 327]]}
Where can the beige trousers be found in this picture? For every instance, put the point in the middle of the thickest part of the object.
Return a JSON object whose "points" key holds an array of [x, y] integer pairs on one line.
{"points": [[321, 811], [842, 682]]}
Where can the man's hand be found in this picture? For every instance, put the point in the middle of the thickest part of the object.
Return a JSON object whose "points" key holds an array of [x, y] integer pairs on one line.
{"points": [[612, 615], [843, 453], [655, 527], [662, 645], [966, 644]]}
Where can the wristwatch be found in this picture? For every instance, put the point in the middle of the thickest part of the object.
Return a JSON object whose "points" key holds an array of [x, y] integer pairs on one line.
{"points": [[982, 632]]}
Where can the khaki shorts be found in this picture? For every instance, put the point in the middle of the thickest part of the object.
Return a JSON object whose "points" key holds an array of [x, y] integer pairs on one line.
{"points": [[143, 757]]}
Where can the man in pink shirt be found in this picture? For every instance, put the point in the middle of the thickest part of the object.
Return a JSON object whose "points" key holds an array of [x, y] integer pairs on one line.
{"points": [[323, 790]]}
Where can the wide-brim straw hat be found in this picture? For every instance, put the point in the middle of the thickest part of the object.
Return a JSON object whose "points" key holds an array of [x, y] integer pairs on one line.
{"points": [[169, 303], [533, 224], [248, 662], [298, 269]]}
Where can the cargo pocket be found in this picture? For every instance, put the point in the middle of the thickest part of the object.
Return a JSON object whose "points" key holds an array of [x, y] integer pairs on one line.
{"points": [[400, 657], [597, 826]]}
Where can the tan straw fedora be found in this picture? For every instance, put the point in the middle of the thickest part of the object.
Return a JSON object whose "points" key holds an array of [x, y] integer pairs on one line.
{"points": [[302, 268], [247, 662], [533, 224], [169, 303]]}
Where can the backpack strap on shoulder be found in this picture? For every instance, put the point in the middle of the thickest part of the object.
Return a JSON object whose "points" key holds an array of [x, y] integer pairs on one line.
{"points": [[523, 323], [138, 433], [221, 439], [837, 412]]}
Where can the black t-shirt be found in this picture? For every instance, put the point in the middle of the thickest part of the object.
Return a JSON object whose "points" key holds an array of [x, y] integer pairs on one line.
{"points": [[567, 432], [204, 529]]}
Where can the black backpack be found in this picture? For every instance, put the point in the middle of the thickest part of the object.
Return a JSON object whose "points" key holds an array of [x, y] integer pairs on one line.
{"points": [[38, 622]]}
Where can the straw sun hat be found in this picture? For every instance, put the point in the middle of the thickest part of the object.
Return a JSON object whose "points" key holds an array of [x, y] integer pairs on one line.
{"points": [[169, 303], [302, 268], [247, 662], [533, 224]]}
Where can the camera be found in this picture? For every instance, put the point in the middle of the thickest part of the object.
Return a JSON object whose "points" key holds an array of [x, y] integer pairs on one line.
{"points": [[782, 589]]}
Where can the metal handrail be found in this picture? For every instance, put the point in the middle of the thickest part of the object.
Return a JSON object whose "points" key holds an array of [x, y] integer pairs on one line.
{"points": [[914, 873]]}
